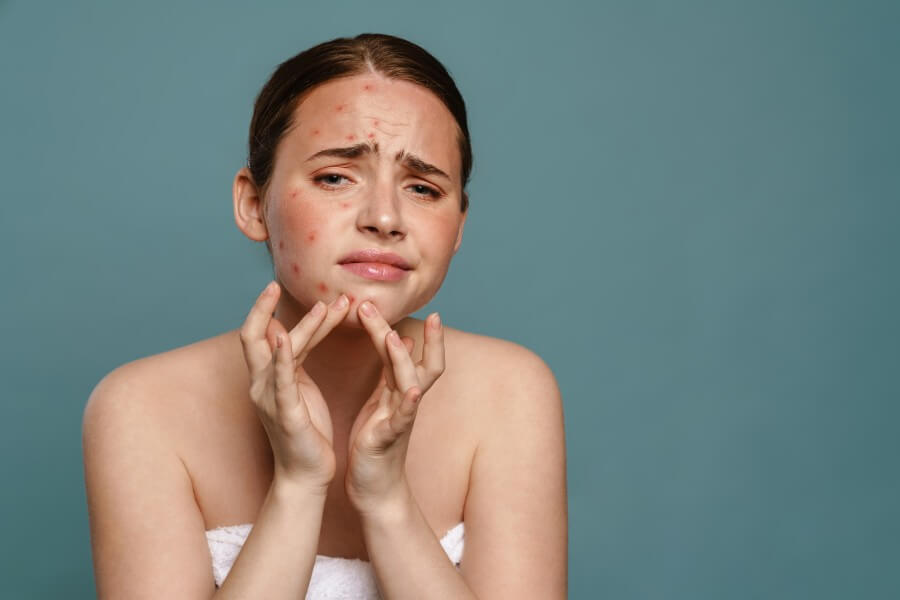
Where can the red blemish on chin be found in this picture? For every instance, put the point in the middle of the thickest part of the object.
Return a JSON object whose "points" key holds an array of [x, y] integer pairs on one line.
{"points": [[311, 237], [345, 205], [371, 135], [295, 268], [351, 137], [322, 287], [350, 297]]}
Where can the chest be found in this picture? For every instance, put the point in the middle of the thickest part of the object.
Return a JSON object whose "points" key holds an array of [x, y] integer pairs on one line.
{"points": [[230, 462]]}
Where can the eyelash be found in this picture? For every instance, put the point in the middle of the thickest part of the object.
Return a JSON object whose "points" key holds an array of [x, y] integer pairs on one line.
{"points": [[320, 180]]}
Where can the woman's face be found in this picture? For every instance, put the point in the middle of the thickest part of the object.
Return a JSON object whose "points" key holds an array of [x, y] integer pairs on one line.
{"points": [[371, 164]]}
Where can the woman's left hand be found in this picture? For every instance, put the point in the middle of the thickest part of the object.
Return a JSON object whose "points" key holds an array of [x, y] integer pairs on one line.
{"points": [[376, 458]]}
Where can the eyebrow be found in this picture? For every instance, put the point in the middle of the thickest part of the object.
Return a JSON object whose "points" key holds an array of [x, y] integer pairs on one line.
{"points": [[410, 161]]}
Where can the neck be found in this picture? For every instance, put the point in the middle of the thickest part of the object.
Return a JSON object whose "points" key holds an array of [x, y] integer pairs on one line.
{"points": [[344, 364]]}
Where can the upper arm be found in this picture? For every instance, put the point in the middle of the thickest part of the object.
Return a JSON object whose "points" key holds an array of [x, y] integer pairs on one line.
{"points": [[147, 533], [516, 511]]}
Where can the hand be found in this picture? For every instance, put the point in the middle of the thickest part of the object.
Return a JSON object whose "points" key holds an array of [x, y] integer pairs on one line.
{"points": [[288, 402], [379, 438]]}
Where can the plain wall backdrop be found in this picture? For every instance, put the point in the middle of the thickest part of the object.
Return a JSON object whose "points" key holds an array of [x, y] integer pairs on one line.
{"points": [[688, 209]]}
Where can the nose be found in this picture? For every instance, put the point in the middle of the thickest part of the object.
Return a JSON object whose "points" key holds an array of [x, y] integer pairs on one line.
{"points": [[380, 214]]}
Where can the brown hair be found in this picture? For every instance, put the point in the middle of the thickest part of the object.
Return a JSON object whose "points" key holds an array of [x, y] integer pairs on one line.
{"points": [[391, 56]]}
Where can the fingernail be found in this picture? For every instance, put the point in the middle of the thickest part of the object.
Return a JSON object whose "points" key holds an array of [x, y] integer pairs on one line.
{"points": [[395, 338], [318, 308], [341, 302], [368, 308], [437, 321], [270, 289]]}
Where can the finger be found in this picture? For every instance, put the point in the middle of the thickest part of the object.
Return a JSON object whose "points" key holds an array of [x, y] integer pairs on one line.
{"points": [[306, 327], [337, 311], [377, 328], [257, 352], [403, 366], [287, 398], [432, 364], [401, 420]]}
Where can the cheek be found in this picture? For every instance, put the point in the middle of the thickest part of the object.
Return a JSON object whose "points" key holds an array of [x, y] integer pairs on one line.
{"points": [[441, 235], [297, 231], [300, 221]]}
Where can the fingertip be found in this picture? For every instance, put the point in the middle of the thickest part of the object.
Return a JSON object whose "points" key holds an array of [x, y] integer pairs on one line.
{"points": [[367, 308]]}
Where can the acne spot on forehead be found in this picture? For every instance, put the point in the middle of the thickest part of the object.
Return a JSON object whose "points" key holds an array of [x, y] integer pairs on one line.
{"points": [[345, 205], [311, 237], [322, 287], [340, 107], [368, 87], [315, 132]]}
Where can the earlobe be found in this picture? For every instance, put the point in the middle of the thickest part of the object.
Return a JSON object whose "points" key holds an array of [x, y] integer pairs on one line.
{"points": [[248, 207]]}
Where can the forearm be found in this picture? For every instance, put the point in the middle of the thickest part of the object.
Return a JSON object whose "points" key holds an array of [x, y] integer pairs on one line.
{"points": [[278, 557], [408, 560]]}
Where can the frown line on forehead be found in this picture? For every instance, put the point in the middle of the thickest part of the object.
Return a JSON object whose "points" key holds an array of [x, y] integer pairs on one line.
{"points": [[410, 161]]}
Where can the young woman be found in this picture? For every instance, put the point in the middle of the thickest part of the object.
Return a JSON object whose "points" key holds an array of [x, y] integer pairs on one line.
{"points": [[333, 445]]}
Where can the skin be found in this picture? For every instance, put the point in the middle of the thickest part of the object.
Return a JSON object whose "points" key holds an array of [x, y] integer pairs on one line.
{"points": [[174, 444], [368, 202]]}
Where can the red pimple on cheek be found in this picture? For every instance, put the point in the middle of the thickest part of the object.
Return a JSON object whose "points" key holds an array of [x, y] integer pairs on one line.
{"points": [[375, 123], [371, 135], [311, 237], [340, 107], [345, 205], [350, 297], [295, 268], [322, 287], [281, 245], [351, 137], [315, 132]]}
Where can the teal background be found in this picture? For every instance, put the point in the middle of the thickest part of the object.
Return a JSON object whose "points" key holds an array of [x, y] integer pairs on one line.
{"points": [[689, 210]]}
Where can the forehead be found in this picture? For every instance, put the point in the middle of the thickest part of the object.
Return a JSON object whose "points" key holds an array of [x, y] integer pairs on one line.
{"points": [[400, 115]]}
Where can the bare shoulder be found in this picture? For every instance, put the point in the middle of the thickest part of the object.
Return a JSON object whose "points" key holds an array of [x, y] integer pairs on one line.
{"points": [[498, 364], [146, 527], [517, 496], [156, 385]]}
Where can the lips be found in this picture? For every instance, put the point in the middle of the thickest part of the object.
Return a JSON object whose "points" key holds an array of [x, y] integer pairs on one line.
{"points": [[374, 255]]}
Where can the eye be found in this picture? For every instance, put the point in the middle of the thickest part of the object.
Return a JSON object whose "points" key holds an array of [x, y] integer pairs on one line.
{"points": [[329, 180], [424, 190]]}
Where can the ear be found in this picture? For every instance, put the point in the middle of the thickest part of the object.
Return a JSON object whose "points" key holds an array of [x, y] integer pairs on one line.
{"points": [[462, 225], [248, 209]]}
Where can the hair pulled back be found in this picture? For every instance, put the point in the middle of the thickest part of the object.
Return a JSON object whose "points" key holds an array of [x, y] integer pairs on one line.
{"points": [[390, 56]]}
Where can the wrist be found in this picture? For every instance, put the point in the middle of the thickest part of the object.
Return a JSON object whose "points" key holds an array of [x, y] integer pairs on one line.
{"points": [[389, 509], [292, 490]]}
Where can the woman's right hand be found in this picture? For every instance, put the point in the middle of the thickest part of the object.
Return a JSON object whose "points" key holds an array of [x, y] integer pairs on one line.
{"points": [[288, 402]]}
